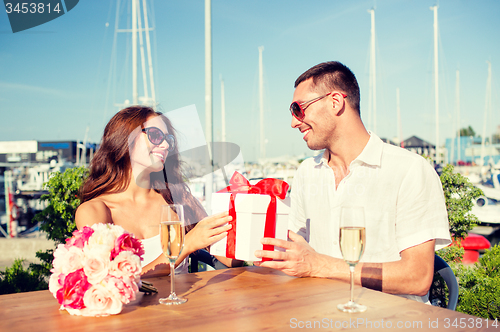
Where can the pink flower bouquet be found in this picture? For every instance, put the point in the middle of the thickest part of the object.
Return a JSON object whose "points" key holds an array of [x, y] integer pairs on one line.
{"points": [[97, 271]]}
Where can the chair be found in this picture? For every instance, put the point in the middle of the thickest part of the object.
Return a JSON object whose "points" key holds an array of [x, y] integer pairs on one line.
{"points": [[444, 270], [204, 256]]}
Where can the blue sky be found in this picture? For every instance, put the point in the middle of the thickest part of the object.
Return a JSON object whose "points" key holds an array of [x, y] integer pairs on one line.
{"points": [[54, 77]]}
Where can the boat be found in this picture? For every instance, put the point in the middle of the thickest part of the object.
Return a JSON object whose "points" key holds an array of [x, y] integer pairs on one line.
{"points": [[487, 207]]}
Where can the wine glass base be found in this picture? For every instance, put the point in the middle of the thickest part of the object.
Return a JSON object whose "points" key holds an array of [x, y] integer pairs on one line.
{"points": [[172, 300], [351, 307]]}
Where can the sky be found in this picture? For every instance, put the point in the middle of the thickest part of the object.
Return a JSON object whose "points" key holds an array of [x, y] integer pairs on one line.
{"points": [[55, 81]]}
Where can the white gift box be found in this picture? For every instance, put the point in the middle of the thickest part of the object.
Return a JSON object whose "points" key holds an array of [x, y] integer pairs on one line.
{"points": [[250, 222]]}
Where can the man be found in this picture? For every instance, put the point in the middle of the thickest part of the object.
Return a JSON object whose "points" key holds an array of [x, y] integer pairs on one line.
{"points": [[405, 213]]}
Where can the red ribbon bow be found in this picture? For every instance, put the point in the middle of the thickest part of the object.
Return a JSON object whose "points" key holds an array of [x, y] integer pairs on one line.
{"points": [[240, 185]]}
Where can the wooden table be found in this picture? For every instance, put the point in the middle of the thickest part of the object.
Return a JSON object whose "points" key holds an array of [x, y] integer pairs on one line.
{"points": [[239, 299]]}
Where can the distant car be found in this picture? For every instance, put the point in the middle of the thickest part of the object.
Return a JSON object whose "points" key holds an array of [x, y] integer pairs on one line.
{"points": [[464, 163]]}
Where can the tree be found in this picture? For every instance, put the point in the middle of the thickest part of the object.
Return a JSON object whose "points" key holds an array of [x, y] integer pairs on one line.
{"points": [[57, 219], [467, 132], [495, 138], [459, 194]]}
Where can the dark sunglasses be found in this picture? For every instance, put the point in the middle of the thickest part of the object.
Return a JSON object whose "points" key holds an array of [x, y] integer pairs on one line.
{"points": [[297, 109], [156, 137]]}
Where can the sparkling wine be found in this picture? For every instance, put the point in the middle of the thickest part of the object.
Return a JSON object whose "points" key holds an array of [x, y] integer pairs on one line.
{"points": [[172, 239], [352, 243]]}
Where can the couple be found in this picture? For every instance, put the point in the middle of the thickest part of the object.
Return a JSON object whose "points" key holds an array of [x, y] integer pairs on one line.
{"points": [[400, 192]]}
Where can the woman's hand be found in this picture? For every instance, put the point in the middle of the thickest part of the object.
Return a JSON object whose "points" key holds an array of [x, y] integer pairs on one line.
{"points": [[207, 231]]}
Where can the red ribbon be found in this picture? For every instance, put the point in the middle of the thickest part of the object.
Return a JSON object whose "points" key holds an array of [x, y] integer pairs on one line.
{"points": [[240, 185]]}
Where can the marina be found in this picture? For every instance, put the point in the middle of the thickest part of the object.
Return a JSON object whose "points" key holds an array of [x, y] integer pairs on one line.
{"points": [[26, 165], [223, 73]]}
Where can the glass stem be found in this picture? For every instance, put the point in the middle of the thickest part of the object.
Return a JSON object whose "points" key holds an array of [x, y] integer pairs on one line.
{"points": [[172, 272], [351, 268]]}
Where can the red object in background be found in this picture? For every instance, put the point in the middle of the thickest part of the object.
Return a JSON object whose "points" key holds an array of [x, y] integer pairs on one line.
{"points": [[13, 215], [472, 244]]}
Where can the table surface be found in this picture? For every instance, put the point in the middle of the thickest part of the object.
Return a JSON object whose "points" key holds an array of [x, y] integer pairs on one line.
{"points": [[240, 299]]}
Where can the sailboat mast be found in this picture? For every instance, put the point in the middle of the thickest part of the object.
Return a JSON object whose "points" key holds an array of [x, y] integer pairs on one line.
{"points": [[223, 125], [436, 82], [208, 100], [457, 102], [400, 134], [261, 103], [372, 101], [223, 110], [143, 57], [487, 111], [134, 52], [148, 48], [137, 24]]}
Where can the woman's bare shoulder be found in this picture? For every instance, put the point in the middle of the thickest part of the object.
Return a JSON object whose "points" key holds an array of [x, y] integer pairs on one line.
{"points": [[93, 212]]}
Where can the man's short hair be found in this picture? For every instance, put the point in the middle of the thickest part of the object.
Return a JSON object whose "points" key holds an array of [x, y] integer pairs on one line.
{"points": [[333, 75]]}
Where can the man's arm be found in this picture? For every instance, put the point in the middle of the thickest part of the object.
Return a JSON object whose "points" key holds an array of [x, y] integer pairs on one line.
{"points": [[411, 275]]}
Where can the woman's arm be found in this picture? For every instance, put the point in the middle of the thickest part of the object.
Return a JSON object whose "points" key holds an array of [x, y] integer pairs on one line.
{"points": [[207, 231]]}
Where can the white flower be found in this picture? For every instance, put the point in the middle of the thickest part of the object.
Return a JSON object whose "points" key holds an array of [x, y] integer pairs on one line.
{"points": [[95, 265], [102, 238], [59, 259], [67, 260], [55, 282], [116, 230]]}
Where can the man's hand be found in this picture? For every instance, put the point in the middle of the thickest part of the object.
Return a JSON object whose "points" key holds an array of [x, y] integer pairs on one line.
{"points": [[410, 275], [299, 259]]}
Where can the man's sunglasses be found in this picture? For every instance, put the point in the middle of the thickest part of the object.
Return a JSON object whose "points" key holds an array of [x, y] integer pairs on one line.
{"points": [[156, 137], [297, 109]]}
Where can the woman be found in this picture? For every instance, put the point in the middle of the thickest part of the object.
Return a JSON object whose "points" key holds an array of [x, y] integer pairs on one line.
{"points": [[128, 183]]}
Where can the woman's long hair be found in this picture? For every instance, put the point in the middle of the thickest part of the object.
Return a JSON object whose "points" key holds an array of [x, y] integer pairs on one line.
{"points": [[111, 172]]}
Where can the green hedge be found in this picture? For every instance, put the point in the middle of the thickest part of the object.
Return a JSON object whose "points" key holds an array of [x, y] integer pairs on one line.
{"points": [[17, 279]]}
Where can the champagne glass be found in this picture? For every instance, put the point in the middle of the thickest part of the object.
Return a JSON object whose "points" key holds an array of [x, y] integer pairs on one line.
{"points": [[172, 242], [352, 245]]}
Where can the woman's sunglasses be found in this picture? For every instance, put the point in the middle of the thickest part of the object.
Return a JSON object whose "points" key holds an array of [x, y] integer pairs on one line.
{"points": [[297, 109], [156, 137]]}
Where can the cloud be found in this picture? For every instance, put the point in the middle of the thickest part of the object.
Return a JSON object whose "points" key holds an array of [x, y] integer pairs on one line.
{"points": [[30, 88], [319, 20]]}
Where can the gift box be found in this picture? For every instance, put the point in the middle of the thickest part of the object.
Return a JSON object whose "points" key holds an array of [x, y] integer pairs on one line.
{"points": [[258, 211]]}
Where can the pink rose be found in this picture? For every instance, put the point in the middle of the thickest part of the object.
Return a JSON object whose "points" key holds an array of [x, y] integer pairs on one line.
{"points": [[74, 287], [101, 301], [80, 237], [126, 265], [123, 288], [126, 242]]}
